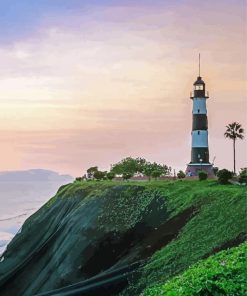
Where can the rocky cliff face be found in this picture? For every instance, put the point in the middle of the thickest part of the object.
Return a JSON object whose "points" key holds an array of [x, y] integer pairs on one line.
{"points": [[81, 232]]}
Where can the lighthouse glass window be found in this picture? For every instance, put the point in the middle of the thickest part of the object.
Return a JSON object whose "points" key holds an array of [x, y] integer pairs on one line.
{"points": [[199, 87]]}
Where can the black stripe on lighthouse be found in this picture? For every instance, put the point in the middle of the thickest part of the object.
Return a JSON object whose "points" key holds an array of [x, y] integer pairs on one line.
{"points": [[200, 153], [200, 122]]}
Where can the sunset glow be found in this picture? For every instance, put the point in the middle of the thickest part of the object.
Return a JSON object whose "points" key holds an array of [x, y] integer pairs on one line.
{"points": [[88, 84]]}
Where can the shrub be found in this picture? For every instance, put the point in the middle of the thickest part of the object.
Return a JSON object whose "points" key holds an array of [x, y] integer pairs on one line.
{"points": [[156, 174], [98, 175], [202, 175], [181, 175], [79, 179], [127, 176], [110, 175], [91, 171], [243, 176], [224, 176]]}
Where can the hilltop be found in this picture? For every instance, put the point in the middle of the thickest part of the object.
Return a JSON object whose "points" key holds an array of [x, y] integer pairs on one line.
{"points": [[89, 228]]}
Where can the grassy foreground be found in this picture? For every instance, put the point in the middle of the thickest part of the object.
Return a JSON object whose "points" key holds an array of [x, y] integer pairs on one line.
{"points": [[222, 274]]}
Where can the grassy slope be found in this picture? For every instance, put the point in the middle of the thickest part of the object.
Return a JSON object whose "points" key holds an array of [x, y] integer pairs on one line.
{"points": [[220, 217], [221, 274]]}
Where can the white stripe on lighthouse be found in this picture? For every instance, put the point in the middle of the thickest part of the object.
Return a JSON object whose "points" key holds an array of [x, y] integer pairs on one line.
{"points": [[199, 106], [199, 139]]}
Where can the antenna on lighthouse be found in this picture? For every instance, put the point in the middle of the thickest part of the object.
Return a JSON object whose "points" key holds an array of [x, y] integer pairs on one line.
{"points": [[199, 64]]}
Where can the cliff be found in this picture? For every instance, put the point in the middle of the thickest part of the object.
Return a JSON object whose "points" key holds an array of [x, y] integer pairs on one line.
{"points": [[90, 228]]}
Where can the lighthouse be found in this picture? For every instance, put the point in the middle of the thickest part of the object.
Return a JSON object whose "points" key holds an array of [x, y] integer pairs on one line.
{"points": [[199, 144]]}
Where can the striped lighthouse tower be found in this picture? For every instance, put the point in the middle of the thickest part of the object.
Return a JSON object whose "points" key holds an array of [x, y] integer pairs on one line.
{"points": [[199, 151]]}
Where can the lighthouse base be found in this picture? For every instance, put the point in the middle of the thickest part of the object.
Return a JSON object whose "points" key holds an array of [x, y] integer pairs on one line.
{"points": [[194, 168]]}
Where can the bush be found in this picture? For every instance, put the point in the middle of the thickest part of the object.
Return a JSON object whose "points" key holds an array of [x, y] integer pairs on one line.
{"points": [[127, 176], [181, 175], [91, 171], [224, 176], [202, 175], [98, 175], [156, 174], [110, 175], [243, 176]]}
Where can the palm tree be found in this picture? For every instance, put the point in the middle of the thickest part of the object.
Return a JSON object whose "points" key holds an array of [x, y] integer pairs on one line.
{"points": [[233, 132]]}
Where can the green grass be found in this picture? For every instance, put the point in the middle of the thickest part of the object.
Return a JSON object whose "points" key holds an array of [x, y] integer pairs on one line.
{"points": [[219, 217], [222, 274]]}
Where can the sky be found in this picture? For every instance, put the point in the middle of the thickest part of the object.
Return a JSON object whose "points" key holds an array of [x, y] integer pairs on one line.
{"points": [[86, 83]]}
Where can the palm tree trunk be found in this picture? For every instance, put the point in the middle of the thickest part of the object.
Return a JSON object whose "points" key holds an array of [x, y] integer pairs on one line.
{"points": [[234, 156]]}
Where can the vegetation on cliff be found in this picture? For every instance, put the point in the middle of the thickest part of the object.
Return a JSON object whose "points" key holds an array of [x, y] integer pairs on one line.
{"points": [[92, 227], [220, 274]]}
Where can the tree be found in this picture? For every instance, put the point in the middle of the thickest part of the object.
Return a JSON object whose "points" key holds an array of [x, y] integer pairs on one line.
{"points": [[233, 132], [110, 176], [148, 170], [140, 164], [127, 165], [202, 175], [243, 176], [78, 179], [91, 171], [127, 176], [181, 175], [156, 174], [156, 169], [224, 176], [130, 166], [98, 175]]}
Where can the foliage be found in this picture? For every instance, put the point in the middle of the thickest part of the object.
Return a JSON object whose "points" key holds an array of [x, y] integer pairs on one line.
{"points": [[99, 175], [156, 174], [129, 165], [91, 171], [131, 204], [79, 179], [110, 175], [233, 132], [221, 274], [219, 217], [154, 170], [127, 176], [181, 175], [243, 176], [224, 176], [202, 175]]}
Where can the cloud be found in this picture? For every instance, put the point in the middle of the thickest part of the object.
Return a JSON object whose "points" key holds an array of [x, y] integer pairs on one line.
{"points": [[109, 81]]}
